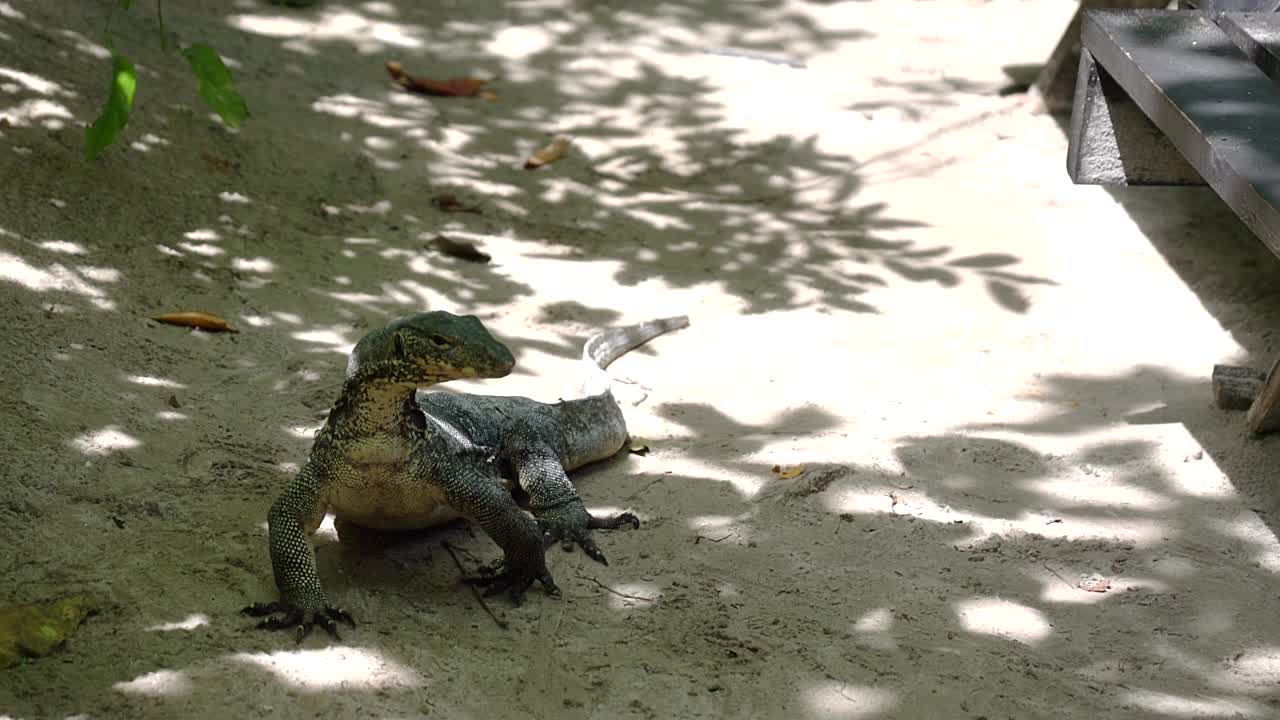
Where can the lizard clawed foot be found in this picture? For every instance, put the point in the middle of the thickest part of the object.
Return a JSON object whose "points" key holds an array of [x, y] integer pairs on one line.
{"points": [[571, 524], [501, 577], [303, 620]]}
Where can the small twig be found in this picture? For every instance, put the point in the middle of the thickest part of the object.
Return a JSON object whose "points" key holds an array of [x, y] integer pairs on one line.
{"points": [[1045, 565], [700, 538], [606, 588], [475, 590]]}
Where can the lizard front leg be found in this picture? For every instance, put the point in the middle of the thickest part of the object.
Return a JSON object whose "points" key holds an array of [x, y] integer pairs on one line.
{"points": [[484, 499], [556, 504], [295, 515]]}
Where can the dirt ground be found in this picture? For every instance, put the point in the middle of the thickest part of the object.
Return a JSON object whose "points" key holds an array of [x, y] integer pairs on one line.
{"points": [[1018, 500]]}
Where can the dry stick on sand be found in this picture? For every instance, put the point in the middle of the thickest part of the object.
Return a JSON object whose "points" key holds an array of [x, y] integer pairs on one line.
{"points": [[475, 590]]}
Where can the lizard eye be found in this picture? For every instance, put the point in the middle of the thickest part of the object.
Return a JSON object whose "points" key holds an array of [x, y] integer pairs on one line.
{"points": [[438, 340]]}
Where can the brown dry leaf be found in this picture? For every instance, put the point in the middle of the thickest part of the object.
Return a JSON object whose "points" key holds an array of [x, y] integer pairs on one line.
{"points": [[448, 202], [460, 249], [219, 164], [201, 320], [1095, 584], [789, 472], [453, 87], [552, 152]]}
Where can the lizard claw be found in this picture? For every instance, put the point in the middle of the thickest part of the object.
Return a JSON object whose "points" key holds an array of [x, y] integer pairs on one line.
{"points": [[303, 620], [571, 524], [501, 577]]}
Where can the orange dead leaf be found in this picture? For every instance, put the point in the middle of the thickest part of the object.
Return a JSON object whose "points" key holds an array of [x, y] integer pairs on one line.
{"points": [[201, 320], [787, 473], [548, 154], [453, 87]]}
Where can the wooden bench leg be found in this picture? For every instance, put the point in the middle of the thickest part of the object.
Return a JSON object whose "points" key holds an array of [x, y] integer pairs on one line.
{"points": [[1113, 142], [1242, 388]]}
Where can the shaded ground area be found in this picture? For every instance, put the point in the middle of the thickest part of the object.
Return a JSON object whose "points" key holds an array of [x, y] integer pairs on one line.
{"points": [[1017, 499]]}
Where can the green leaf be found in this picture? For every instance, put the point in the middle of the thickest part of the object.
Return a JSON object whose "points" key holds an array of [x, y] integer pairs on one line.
{"points": [[215, 84], [115, 113], [125, 4]]}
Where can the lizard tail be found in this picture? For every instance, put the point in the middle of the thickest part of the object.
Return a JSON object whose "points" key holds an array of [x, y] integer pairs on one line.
{"points": [[608, 345]]}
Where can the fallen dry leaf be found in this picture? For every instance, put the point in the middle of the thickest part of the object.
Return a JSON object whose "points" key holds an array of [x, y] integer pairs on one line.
{"points": [[638, 449], [37, 629], [453, 87], [787, 473], [460, 249], [219, 164], [552, 152], [448, 202], [201, 320]]}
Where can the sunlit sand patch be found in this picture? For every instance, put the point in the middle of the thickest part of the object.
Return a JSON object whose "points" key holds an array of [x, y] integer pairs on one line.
{"points": [[1003, 618], [347, 668], [190, 622], [104, 441], [842, 700], [1199, 706], [160, 683]]}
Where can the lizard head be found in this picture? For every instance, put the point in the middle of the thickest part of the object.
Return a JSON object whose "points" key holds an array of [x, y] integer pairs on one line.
{"points": [[428, 348]]}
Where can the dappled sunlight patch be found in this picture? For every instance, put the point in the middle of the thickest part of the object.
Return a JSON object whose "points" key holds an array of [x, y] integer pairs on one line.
{"points": [[99, 274], [305, 432], [287, 317], [171, 415], [874, 627], [190, 622], [229, 196], [1193, 706], [631, 595], [205, 249], [1100, 492], [831, 699], [104, 442], [161, 683], [12, 81], [1248, 528], [1257, 665], [1003, 618], [370, 112], [148, 141], [153, 381], [56, 277], [257, 264], [63, 246], [336, 667], [38, 111], [334, 339]]}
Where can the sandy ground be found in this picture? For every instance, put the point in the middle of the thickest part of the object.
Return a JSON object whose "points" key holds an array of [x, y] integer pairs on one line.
{"points": [[997, 381]]}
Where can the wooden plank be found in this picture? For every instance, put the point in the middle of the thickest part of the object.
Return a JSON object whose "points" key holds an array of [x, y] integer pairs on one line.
{"points": [[1264, 413], [1258, 37], [1112, 142], [1219, 109]]}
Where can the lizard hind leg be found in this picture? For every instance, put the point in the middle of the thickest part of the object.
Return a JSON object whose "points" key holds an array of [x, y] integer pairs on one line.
{"points": [[555, 503]]}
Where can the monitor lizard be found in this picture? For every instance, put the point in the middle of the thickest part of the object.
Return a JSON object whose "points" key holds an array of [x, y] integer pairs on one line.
{"points": [[392, 456]]}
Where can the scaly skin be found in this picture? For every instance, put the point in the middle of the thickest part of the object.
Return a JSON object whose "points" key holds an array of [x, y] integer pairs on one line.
{"points": [[393, 457]]}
